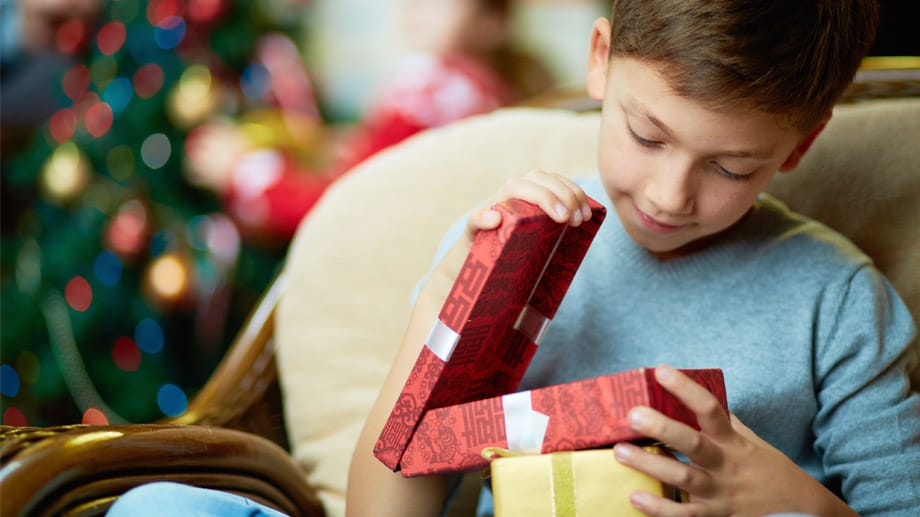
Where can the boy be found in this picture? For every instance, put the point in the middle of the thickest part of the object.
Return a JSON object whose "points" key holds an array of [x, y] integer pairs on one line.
{"points": [[703, 102]]}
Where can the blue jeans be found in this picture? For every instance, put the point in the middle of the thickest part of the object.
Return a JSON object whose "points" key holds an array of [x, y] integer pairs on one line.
{"points": [[163, 498]]}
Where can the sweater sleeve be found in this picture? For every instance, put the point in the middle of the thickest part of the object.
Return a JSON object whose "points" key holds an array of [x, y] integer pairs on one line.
{"points": [[867, 428]]}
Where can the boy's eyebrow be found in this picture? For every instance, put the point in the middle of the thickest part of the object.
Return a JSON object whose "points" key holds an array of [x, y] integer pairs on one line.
{"points": [[632, 104]]}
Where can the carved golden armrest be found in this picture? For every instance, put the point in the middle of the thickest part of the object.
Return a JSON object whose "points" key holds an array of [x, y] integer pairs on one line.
{"points": [[80, 470]]}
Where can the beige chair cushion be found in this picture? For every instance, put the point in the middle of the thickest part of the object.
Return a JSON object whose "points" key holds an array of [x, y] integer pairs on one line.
{"points": [[862, 178], [355, 260]]}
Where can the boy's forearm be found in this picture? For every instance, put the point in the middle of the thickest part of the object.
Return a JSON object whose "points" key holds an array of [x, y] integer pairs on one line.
{"points": [[373, 489]]}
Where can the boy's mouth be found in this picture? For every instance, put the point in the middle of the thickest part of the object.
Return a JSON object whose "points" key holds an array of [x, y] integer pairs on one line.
{"points": [[650, 223]]}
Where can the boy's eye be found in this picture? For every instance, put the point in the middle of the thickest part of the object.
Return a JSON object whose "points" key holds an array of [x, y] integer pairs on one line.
{"points": [[731, 175], [639, 140]]}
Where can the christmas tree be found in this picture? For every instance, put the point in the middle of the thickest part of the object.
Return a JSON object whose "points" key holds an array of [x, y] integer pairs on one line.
{"points": [[122, 282]]}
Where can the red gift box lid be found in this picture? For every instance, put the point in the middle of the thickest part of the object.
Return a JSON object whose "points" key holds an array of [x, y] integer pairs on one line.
{"points": [[584, 414], [491, 323]]}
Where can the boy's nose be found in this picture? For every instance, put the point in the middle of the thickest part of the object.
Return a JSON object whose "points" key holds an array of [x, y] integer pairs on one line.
{"points": [[671, 190]]}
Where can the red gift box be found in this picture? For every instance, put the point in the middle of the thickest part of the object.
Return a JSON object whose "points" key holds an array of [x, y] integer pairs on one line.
{"points": [[489, 327], [578, 415]]}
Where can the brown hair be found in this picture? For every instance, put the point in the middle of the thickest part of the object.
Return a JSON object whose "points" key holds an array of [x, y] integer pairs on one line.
{"points": [[792, 57]]}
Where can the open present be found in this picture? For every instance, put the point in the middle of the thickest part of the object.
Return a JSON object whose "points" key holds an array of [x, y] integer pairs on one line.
{"points": [[507, 291], [459, 396], [576, 415]]}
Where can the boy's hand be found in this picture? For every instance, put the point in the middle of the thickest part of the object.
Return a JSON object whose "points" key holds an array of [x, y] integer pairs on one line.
{"points": [[557, 195], [731, 472]]}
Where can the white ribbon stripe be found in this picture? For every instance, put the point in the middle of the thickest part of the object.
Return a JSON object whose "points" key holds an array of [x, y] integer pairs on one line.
{"points": [[442, 340], [524, 427]]}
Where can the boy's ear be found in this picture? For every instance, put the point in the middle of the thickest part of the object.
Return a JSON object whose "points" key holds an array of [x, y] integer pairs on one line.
{"points": [[598, 59], [792, 161]]}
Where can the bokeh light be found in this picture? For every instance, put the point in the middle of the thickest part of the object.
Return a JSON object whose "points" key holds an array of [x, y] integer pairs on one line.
{"points": [[204, 10], [172, 400], [13, 416], [255, 81], [93, 416], [127, 231], [169, 33], [76, 82], [79, 294], [64, 174], [9, 381], [98, 119], [110, 38], [63, 125], [194, 98], [69, 36], [107, 268], [159, 10], [148, 80], [148, 335], [223, 239], [168, 278], [118, 94], [126, 355], [155, 150]]}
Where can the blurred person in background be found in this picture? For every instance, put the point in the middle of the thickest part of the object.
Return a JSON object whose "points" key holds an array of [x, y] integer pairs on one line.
{"points": [[30, 62], [459, 62], [30, 57]]}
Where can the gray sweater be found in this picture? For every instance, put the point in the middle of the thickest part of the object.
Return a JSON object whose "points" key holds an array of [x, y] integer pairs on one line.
{"points": [[813, 341]]}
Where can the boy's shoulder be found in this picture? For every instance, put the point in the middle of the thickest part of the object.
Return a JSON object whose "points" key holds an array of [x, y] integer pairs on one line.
{"points": [[799, 238]]}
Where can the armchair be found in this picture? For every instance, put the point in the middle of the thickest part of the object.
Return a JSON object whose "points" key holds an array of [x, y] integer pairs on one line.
{"points": [[279, 417]]}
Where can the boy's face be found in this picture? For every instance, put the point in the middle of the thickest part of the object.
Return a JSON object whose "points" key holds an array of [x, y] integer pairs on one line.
{"points": [[676, 171]]}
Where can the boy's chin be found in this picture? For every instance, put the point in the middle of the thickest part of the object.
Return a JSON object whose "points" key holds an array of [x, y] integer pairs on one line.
{"points": [[678, 249], [669, 248]]}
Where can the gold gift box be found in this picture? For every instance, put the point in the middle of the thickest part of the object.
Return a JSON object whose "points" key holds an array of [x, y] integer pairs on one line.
{"points": [[585, 483]]}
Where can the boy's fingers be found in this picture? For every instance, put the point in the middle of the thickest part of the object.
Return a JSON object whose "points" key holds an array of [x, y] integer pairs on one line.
{"points": [[480, 219], [664, 468], [484, 219], [657, 506], [696, 446], [561, 199], [569, 193], [712, 418]]}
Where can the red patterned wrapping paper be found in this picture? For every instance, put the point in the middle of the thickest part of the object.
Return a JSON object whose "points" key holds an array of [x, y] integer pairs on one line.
{"points": [[505, 294], [578, 415]]}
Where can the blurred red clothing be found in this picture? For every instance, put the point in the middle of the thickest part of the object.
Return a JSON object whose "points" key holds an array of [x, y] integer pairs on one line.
{"points": [[270, 194]]}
